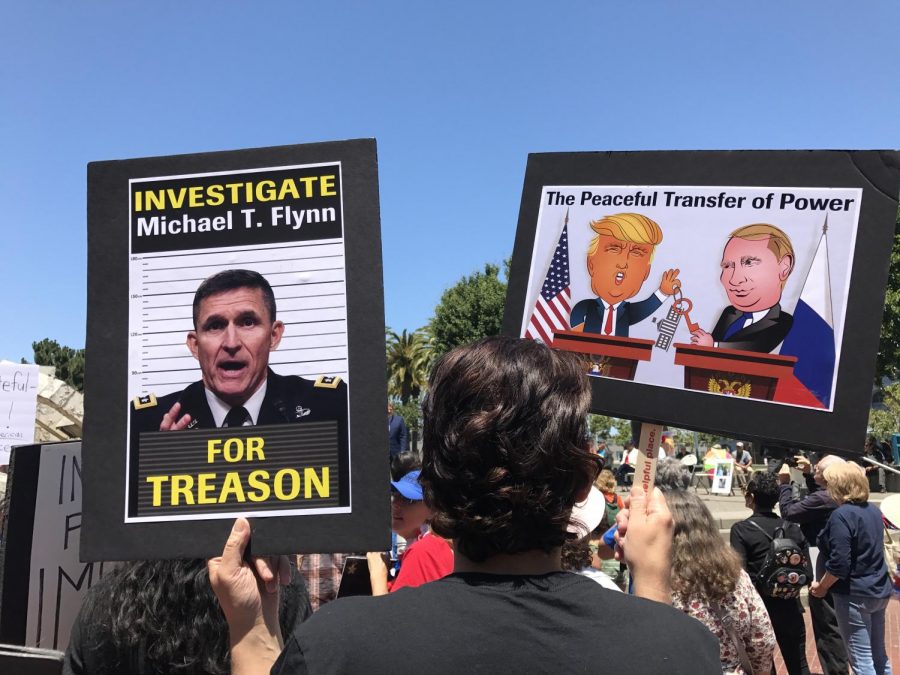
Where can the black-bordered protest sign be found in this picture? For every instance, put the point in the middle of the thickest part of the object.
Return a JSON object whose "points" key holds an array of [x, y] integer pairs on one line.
{"points": [[235, 367], [736, 292], [43, 581]]}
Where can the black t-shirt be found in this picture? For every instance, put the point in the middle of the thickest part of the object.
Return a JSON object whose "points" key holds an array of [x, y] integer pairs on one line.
{"points": [[551, 623]]}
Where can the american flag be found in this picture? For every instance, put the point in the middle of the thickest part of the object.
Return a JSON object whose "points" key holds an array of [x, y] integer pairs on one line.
{"points": [[551, 311]]}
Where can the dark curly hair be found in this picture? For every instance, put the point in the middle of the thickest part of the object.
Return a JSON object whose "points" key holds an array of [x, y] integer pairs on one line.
{"points": [[764, 487], [503, 446], [161, 616], [576, 554], [403, 463]]}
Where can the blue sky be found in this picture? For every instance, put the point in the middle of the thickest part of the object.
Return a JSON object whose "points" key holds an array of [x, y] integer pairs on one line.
{"points": [[457, 95]]}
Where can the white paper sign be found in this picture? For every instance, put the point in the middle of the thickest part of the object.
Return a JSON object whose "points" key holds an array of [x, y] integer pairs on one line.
{"points": [[723, 474], [18, 406], [58, 580]]}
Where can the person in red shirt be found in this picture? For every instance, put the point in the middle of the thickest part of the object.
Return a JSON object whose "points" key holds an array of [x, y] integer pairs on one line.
{"points": [[427, 556]]}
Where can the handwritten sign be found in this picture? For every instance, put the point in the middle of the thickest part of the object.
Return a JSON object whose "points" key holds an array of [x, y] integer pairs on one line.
{"points": [[18, 406], [44, 582]]}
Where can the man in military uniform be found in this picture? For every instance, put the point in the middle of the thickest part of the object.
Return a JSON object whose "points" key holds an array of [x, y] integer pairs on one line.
{"points": [[235, 329]]}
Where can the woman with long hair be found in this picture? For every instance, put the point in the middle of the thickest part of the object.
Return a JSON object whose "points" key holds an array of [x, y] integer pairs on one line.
{"points": [[855, 571], [709, 584], [158, 617]]}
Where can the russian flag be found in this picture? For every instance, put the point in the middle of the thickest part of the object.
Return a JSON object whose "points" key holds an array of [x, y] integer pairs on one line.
{"points": [[811, 338]]}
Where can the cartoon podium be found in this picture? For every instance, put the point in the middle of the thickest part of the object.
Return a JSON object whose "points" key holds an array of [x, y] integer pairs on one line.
{"points": [[734, 372], [610, 355]]}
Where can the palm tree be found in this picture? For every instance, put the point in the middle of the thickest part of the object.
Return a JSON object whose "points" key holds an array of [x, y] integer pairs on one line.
{"points": [[408, 361]]}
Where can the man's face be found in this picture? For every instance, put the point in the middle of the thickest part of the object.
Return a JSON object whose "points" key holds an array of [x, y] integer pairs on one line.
{"points": [[752, 275], [390, 409], [618, 268], [232, 341]]}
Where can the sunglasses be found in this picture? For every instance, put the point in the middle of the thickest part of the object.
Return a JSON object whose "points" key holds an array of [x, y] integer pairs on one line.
{"points": [[400, 499]]}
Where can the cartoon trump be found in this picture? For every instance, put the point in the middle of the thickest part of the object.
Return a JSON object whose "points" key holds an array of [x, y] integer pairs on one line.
{"points": [[618, 260], [756, 263]]}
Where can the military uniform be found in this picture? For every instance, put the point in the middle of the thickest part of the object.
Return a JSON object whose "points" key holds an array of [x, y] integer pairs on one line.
{"points": [[288, 398]]}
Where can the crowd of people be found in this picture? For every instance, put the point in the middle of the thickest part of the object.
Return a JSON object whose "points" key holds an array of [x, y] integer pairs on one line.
{"points": [[515, 548]]}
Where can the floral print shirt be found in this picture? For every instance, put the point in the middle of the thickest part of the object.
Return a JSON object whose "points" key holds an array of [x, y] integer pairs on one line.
{"points": [[751, 623]]}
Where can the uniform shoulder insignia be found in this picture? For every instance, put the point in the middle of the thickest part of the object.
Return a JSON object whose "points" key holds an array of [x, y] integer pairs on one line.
{"points": [[328, 381], [141, 402]]}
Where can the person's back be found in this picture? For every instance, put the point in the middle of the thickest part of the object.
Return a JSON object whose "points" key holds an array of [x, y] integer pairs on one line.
{"points": [[504, 462], [473, 622]]}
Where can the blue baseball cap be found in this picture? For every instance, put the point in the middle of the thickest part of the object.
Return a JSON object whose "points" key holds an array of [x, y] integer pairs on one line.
{"points": [[409, 486]]}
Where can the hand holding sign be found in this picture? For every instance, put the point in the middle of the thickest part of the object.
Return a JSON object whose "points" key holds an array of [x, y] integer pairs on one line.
{"points": [[648, 526], [248, 597]]}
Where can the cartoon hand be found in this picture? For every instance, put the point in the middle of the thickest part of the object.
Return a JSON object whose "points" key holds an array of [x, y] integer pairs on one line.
{"points": [[702, 338], [670, 282], [170, 421]]}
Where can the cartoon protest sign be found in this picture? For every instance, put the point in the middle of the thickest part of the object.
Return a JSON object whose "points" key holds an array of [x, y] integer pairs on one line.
{"points": [[662, 273], [235, 342]]}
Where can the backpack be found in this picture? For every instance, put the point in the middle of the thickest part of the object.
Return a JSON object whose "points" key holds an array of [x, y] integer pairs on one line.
{"points": [[786, 569], [609, 516]]}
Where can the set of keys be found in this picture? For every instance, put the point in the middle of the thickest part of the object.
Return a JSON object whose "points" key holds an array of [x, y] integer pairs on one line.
{"points": [[681, 306]]}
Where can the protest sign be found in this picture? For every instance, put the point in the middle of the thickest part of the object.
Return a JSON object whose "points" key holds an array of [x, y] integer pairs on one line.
{"points": [[43, 580], [722, 476], [18, 406], [736, 292], [225, 386]]}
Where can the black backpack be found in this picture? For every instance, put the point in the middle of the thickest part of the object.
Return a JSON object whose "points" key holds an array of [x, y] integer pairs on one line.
{"points": [[786, 569]]}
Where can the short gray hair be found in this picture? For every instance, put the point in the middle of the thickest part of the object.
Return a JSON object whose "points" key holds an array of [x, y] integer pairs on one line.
{"points": [[671, 474]]}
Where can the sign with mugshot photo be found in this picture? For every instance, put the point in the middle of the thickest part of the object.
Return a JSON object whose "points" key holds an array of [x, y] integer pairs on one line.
{"points": [[220, 338], [712, 290]]}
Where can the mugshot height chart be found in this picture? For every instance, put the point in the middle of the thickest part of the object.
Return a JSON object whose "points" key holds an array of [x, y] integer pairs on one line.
{"points": [[307, 279]]}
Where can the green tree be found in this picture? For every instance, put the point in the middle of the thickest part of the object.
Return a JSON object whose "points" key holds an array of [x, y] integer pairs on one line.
{"points": [[69, 363], [408, 361], [469, 310], [888, 364], [601, 426], [885, 421]]}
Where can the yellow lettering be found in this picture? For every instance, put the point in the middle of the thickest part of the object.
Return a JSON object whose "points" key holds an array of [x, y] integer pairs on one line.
{"points": [[265, 190], [138, 201], [181, 486], [254, 448], [279, 484], [214, 196], [155, 200], [232, 486], [176, 201], [327, 186], [231, 442], [204, 487], [195, 196], [234, 187], [213, 448], [310, 478], [287, 186], [255, 479], [308, 181], [157, 482]]}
